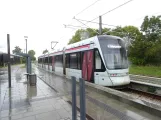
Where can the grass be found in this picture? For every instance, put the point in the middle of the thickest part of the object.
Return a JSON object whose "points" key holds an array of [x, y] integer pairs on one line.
{"points": [[23, 66], [3, 66], [153, 71]]}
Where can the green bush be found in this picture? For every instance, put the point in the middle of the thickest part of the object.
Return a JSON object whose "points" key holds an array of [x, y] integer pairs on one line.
{"points": [[137, 61]]}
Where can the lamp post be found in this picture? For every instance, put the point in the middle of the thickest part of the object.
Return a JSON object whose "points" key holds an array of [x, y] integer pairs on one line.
{"points": [[26, 42], [27, 69], [9, 61]]}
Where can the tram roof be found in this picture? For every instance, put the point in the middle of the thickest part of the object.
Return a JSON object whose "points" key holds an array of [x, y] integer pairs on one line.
{"points": [[81, 43]]}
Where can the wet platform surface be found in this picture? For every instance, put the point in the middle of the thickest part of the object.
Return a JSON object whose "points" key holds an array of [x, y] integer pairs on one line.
{"points": [[50, 102], [25, 102]]}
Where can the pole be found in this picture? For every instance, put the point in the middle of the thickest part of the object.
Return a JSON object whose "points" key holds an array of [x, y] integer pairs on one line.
{"points": [[27, 68], [100, 25], [9, 62], [82, 99], [29, 65], [74, 112], [26, 58], [26, 45]]}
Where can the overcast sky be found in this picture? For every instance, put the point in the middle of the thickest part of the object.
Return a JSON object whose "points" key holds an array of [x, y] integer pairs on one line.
{"points": [[42, 20]]}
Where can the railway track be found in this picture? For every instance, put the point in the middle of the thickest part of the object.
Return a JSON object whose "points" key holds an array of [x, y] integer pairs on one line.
{"points": [[144, 91], [151, 98]]}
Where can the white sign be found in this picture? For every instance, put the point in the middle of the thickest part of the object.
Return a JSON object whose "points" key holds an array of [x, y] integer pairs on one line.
{"points": [[113, 46]]}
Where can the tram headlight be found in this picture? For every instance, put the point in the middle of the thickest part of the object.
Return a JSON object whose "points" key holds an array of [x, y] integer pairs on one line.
{"points": [[118, 74], [113, 75]]}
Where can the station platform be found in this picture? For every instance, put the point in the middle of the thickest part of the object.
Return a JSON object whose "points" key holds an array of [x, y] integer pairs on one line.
{"points": [[51, 100], [25, 102]]}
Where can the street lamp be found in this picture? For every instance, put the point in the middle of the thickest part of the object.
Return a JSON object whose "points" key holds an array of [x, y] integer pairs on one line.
{"points": [[26, 53], [26, 42]]}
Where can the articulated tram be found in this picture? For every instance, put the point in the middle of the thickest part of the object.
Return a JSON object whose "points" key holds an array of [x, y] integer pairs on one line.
{"points": [[101, 60]]}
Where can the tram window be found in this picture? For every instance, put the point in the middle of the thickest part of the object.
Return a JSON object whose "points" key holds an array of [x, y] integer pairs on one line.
{"points": [[50, 60], [56, 61], [41, 61], [73, 61], [46, 60], [82, 54], [59, 61], [98, 62], [67, 60], [79, 60]]}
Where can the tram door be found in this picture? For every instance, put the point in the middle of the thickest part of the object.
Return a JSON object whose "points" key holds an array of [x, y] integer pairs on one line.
{"points": [[87, 65], [53, 63]]}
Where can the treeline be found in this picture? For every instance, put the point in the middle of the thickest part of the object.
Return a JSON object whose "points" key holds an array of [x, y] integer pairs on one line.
{"points": [[144, 45], [18, 50]]}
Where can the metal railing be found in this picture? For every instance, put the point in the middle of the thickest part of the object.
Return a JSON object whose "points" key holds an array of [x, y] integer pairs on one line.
{"points": [[82, 99]]}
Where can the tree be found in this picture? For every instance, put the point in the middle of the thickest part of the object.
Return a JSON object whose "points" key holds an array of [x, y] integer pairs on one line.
{"points": [[32, 54], [151, 27], [146, 48], [118, 31], [45, 51], [82, 34], [76, 37], [137, 51], [17, 50], [128, 33]]}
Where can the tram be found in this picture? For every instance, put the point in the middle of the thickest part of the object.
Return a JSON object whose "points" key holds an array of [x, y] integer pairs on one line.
{"points": [[101, 60]]}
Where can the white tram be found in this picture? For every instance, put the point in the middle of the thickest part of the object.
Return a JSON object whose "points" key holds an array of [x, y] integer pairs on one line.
{"points": [[101, 60]]}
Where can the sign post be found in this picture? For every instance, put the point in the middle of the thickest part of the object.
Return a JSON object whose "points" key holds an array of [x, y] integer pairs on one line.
{"points": [[9, 62]]}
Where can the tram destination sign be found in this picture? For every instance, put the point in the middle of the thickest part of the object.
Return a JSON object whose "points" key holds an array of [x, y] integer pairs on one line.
{"points": [[113, 46]]}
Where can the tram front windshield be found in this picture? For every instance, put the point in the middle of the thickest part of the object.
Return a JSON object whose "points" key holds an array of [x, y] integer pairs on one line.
{"points": [[114, 53]]}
